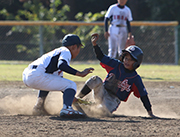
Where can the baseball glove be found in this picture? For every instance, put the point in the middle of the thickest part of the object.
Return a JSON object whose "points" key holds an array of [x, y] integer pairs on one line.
{"points": [[111, 84]]}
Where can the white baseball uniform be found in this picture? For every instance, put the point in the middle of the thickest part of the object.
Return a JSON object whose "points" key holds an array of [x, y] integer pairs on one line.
{"points": [[118, 28], [44, 74]]}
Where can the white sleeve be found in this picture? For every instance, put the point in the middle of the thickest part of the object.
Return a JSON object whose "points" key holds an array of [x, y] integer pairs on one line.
{"points": [[65, 55], [59, 62], [109, 12], [129, 15]]}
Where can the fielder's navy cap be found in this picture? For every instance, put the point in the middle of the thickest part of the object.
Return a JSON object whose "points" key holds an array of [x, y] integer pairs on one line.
{"points": [[71, 39]]}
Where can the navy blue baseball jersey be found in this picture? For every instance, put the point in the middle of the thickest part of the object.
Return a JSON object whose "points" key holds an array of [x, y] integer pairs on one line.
{"points": [[127, 81]]}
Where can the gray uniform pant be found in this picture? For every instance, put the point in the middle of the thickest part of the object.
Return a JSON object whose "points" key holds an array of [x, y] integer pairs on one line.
{"points": [[101, 96]]}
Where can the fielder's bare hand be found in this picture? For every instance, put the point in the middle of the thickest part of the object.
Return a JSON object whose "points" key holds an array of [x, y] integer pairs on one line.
{"points": [[94, 38], [130, 41], [106, 35], [84, 72]]}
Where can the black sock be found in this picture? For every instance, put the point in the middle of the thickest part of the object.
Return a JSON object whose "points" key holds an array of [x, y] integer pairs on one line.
{"points": [[43, 93], [84, 91], [68, 96]]}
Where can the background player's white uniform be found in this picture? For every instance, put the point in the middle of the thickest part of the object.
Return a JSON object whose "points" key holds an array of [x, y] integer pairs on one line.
{"points": [[117, 28], [47, 76]]}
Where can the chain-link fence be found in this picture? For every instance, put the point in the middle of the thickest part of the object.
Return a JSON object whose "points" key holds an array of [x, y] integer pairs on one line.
{"points": [[27, 41]]}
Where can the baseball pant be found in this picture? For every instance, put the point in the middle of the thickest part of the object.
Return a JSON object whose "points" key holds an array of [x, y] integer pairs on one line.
{"points": [[111, 102], [38, 79], [116, 40]]}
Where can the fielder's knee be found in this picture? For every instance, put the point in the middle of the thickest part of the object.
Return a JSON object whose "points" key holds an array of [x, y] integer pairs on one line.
{"points": [[72, 85]]}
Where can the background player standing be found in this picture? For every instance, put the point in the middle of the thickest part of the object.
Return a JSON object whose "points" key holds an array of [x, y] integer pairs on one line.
{"points": [[119, 16], [121, 80], [46, 74]]}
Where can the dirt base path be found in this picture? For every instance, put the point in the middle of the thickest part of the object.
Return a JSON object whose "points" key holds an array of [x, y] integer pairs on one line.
{"points": [[17, 101]]}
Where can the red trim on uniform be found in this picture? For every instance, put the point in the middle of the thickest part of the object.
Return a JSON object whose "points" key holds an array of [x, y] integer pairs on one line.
{"points": [[131, 77], [128, 96], [119, 72], [108, 68], [135, 90], [59, 72], [119, 75]]}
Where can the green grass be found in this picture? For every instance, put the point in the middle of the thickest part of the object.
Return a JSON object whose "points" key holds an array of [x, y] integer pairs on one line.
{"points": [[98, 70], [12, 71], [159, 72]]}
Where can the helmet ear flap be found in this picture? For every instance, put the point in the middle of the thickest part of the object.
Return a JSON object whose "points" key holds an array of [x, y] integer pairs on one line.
{"points": [[136, 65], [122, 57], [138, 62], [136, 53]]}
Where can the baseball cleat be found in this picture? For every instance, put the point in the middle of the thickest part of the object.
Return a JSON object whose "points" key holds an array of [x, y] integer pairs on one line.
{"points": [[78, 107], [69, 112]]}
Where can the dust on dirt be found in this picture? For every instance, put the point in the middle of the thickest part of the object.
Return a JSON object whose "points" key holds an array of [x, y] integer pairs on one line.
{"points": [[17, 101]]}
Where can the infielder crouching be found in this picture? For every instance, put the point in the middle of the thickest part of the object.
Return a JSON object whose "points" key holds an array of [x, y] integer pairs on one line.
{"points": [[46, 74]]}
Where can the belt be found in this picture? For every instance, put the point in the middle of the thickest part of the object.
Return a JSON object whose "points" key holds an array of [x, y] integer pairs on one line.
{"points": [[120, 26], [34, 66]]}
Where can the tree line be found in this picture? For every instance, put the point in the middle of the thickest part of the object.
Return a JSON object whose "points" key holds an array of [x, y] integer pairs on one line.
{"points": [[142, 10], [68, 10]]}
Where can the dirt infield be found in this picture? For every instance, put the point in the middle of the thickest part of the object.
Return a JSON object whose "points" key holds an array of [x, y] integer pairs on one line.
{"points": [[17, 101]]}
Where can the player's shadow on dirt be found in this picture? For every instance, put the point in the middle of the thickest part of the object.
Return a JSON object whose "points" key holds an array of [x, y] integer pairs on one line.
{"points": [[152, 78], [158, 118], [92, 119]]}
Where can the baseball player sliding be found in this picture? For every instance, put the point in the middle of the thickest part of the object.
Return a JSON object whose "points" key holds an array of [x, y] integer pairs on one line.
{"points": [[46, 74], [119, 16], [121, 80]]}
